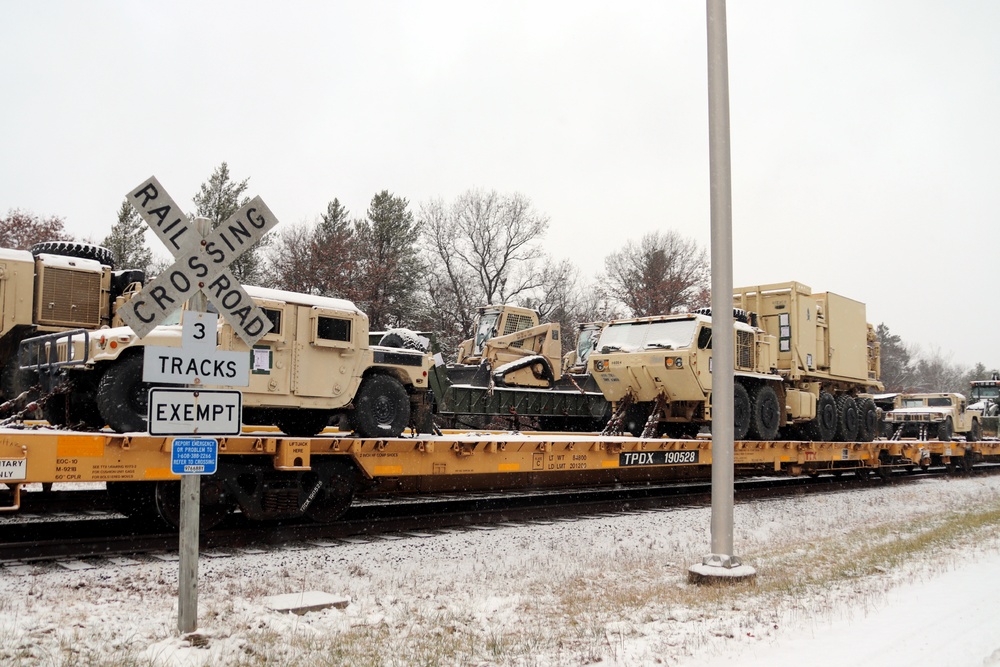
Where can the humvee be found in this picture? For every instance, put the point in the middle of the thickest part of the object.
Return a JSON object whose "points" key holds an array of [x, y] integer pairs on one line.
{"points": [[314, 365], [939, 415]]}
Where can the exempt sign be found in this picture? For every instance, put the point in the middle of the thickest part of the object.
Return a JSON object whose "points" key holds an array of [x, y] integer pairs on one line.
{"points": [[194, 411]]}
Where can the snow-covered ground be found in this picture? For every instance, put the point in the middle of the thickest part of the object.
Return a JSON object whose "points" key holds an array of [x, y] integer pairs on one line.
{"points": [[905, 574]]}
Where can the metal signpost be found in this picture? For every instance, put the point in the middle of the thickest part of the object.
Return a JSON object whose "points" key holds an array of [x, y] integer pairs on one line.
{"points": [[199, 274]]}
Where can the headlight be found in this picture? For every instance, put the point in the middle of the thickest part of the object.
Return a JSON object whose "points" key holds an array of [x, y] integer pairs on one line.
{"points": [[674, 362]]}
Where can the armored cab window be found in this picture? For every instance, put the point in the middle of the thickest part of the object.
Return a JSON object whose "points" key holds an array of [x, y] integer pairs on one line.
{"points": [[940, 402], [333, 328], [705, 338], [274, 316]]}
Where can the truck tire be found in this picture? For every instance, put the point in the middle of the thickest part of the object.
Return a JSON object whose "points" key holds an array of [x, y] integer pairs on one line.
{"points": [[765, 413], [741, 411], [847, 419], [824, 426], [122, 395], [381, 407], [867, 419], [404, 338], [975, 432], [73, 249], [946, 430]]}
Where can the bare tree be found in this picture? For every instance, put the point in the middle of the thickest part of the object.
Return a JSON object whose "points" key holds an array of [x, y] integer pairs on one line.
{"points": [[661, 274], [485, 248], [290, 261], [22, 229]]}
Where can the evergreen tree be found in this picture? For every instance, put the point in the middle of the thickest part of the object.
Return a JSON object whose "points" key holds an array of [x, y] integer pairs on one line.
{"points": [[334, 253], [894, 360], [127, 240], [217, 200], [388, 266]]}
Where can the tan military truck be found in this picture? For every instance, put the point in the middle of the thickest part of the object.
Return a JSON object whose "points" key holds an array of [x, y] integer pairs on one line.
{"points": [[934, 415], [58, 286], [314, 365], [804, 366]]}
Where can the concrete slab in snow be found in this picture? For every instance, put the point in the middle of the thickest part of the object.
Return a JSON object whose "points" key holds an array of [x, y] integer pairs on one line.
{"points": [[302, 603]]}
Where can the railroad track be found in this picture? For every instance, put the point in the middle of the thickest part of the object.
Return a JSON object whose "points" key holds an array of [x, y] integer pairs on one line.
{"points": [[102, 534]]}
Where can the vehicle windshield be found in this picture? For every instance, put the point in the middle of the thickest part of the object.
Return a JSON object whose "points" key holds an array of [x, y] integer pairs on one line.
{"points": [[637, 336], [487, 324], [985, 393], [585, 344]]}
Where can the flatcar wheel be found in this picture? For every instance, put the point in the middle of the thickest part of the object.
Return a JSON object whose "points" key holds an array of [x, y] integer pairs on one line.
{"points": [[327, 490], [213, 505]]}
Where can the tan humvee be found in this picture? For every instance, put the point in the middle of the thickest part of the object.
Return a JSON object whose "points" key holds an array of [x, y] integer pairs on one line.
{"points": [[316, 363], [938, 415]]}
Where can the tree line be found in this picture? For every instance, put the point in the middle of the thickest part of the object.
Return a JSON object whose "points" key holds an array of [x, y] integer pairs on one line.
{"points": [[430, 266]]}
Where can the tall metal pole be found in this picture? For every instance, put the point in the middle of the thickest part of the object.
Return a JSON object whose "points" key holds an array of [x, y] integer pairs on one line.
{"points": [[723, 354]]}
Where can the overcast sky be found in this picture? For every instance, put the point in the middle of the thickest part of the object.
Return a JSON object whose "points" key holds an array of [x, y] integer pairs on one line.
{"points": [[865, 133]]}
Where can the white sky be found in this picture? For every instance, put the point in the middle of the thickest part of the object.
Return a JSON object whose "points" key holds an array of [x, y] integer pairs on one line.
{"points": [[864, 132]]}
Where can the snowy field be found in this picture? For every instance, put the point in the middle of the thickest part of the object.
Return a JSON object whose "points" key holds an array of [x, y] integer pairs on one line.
{"points": [[898, 575]]}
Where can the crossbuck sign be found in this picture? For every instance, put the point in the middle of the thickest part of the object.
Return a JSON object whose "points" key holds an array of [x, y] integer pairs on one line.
{"points": [[201, 263]]}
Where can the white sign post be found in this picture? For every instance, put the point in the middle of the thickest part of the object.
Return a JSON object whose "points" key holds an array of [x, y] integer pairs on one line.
{"points": [[199, 273]]}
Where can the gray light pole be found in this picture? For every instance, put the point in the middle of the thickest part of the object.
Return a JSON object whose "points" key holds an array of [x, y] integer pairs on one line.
{"points": [[721, 563]]}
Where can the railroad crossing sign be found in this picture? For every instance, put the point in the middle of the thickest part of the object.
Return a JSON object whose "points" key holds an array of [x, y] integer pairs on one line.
{"points": [[201, 264]]}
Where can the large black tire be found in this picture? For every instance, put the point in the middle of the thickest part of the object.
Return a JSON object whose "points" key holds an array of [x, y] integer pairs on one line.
{"points": [[381, 408], [765, 413], [404, 338], [847, 419], [824, 426], [867, 419], [327, 490], [302, 423], [975, 432], [74, 249], [741, 411], [946, 430], [122, 396]]}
